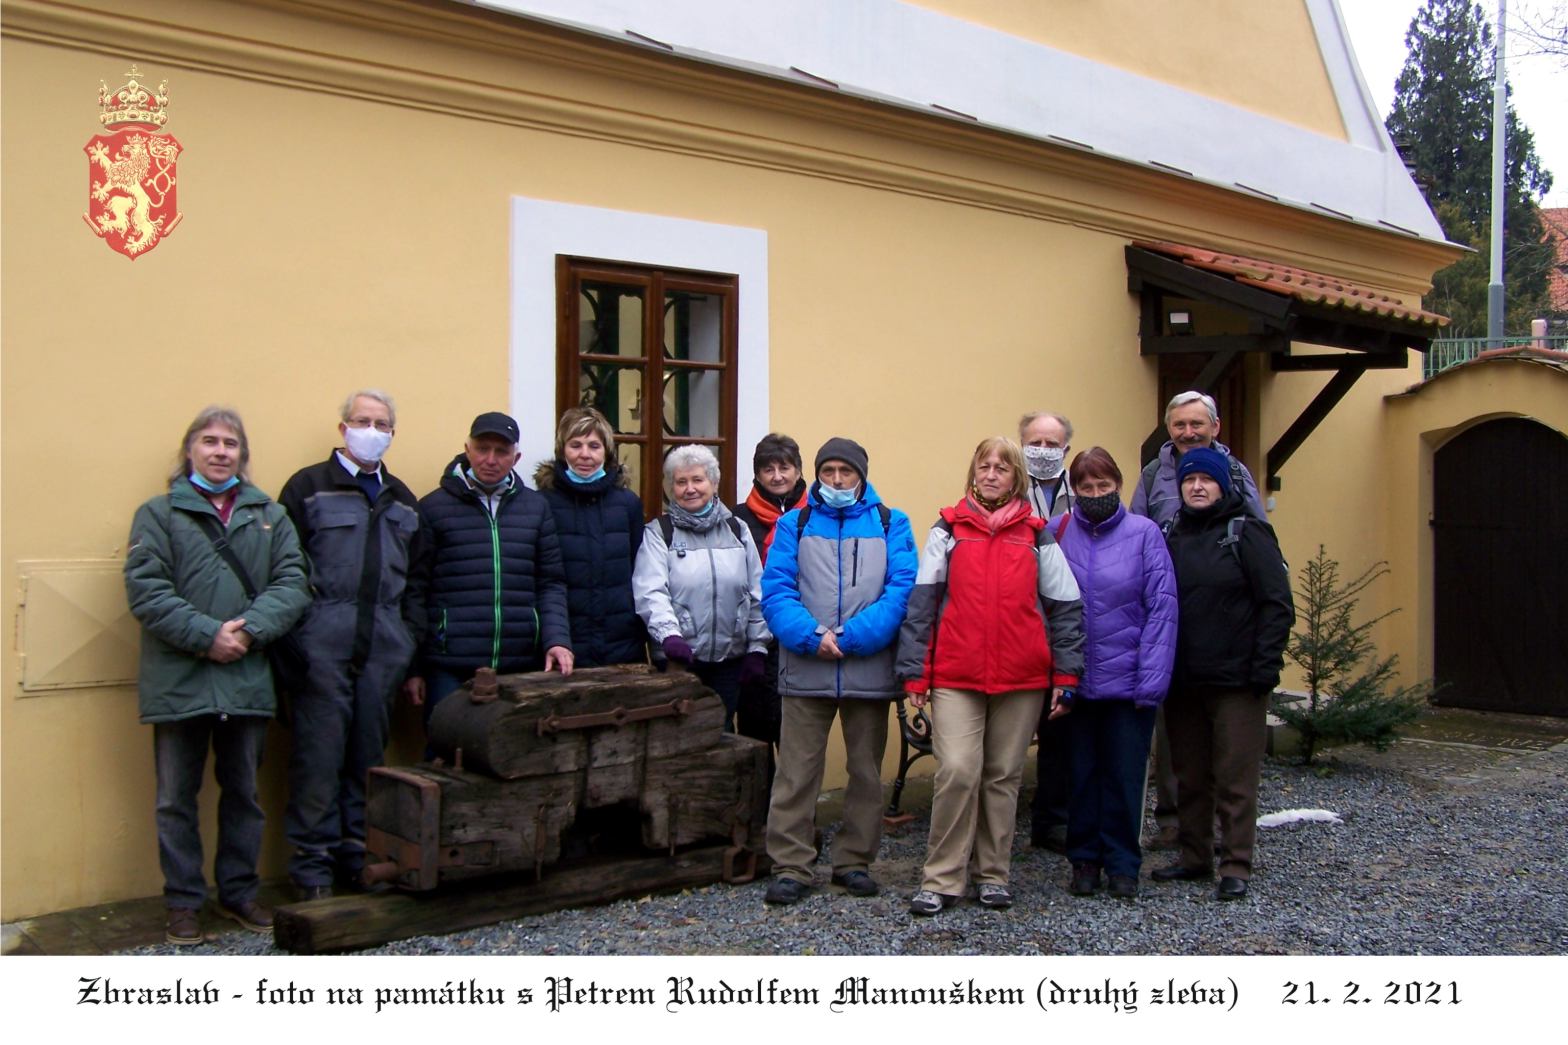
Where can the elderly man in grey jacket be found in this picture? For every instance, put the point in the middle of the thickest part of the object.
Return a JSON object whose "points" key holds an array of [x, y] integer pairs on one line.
{"points": [[834, 591]]}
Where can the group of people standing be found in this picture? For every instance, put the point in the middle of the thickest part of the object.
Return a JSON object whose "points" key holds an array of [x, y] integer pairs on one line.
{"points": [[1037, 604]]}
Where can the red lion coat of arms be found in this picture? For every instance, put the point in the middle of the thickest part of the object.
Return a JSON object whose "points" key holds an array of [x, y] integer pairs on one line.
{"points": [[131, 170]]}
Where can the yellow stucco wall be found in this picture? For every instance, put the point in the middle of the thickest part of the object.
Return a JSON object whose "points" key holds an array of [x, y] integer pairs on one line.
{"points": [[1258, 56], [346, 184]]}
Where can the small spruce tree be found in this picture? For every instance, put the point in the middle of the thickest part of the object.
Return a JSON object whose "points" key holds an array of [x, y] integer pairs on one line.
{"points": [[1351, 696]]}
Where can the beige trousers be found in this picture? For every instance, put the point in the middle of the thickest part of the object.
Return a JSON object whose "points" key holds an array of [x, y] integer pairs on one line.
{"points": [[980, 742], [803, 749]]}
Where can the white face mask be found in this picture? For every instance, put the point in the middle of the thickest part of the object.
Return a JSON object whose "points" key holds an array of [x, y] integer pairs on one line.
{"points": [[1045, 462], [366, 445]]}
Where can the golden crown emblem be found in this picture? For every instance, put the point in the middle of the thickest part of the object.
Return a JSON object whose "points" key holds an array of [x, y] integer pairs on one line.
{"points": [[133, 104]]}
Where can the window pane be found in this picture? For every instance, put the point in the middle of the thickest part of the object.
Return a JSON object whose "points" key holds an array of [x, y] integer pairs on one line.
{"points": [[611, 316], [693, 326], [630, 456], [692, 403], [616, 392]]}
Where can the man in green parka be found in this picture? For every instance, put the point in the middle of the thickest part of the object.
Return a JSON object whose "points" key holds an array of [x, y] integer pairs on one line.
{"points": [[204, 677]]}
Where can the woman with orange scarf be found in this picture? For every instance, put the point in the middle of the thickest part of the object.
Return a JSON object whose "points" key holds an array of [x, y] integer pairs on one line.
{"points": [[777, 487], [994, 625]]}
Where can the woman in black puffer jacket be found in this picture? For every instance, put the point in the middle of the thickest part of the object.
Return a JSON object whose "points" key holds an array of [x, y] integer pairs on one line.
{"points": [[599, 524], [1234, 601]]}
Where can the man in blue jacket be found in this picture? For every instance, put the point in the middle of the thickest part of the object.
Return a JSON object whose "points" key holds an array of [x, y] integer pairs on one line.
{"points": [[834, 592]]}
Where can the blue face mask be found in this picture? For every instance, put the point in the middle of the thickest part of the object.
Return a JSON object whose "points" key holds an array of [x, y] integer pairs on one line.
{"points": [[469, 472], [838, 498], [202, 481], [582, 479], [705, 509]]}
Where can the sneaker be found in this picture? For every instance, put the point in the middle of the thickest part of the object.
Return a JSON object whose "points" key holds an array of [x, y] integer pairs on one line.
{"points": [[927, 903], [857, 883], [183, 927], [990, 894], [1123, 887], [250, 914], [787, 891], [1085, 880]]}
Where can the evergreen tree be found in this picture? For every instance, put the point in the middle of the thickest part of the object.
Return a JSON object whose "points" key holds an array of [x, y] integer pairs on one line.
{"points": [[1351, 696], [1442, 118]]}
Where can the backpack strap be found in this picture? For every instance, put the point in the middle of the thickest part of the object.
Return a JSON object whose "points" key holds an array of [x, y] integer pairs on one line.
{"points": [[1150, 470], [735, 528], [883, 512], [220, 543], [1232, 538], [1061, 527]]}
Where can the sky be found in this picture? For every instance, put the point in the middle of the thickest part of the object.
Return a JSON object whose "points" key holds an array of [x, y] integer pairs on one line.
{"points": [[1539, 82]]}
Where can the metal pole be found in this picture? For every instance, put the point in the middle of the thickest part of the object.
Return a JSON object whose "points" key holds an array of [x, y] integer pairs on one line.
{"points": [[1494, 289]]}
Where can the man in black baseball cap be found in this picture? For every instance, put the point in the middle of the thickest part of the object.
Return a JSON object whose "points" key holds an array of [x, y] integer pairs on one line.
{"points": [[494, 423], [497, 593]]}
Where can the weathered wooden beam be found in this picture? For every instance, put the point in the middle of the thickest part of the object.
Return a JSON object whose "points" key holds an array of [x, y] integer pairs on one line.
{"points": [[345, 923], [428, 825], [1309, 420], [1179, 344], [538, 723], [1397, 360]]}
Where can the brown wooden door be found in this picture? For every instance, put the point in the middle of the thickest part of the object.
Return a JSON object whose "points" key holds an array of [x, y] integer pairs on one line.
{"points": [[1500, 570]]}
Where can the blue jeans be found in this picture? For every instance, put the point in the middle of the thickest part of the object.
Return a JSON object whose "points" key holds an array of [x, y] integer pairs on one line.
{"points": [[1110, 745], [180, 751]]}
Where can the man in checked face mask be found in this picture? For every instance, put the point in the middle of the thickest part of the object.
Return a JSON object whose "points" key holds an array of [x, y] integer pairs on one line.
{"points": [[1045, 438], [368, 554]]}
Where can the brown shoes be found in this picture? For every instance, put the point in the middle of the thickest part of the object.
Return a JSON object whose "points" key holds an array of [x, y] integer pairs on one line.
{"points": [[250, 914], [183, 927]]}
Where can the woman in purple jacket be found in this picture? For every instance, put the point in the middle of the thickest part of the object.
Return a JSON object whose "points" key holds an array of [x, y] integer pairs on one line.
{"points": [[1129, 622]]}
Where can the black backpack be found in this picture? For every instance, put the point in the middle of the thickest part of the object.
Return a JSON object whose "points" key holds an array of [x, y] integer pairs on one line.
{"points": [[667, 527], [1231, 540]]}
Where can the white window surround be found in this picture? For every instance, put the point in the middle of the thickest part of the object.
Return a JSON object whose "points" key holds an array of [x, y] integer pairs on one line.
{"points": [[544, 229]]}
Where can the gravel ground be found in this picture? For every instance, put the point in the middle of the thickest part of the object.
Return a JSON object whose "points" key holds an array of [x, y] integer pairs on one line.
{"points": [[1444, 850]]}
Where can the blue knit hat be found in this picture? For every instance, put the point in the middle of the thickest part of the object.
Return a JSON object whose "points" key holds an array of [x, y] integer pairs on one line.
{"points": [[1207, 460]]}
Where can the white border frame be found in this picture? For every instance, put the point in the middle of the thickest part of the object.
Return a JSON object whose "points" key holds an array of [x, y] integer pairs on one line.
{"points": [[542, 230]]}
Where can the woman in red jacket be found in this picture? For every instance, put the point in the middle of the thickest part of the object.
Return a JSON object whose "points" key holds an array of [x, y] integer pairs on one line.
{"points": [[994, 623]]}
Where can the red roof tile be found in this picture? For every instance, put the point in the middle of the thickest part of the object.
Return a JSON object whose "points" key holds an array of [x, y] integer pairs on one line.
{"points": [[1556, 219], [1314, 288]]}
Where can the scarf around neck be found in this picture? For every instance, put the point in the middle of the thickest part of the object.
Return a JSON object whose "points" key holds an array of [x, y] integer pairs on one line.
{"points": [[768, 508], [1001, 516], [698, 523]]}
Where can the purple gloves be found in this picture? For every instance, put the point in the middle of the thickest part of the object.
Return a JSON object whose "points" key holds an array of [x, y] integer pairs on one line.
{"points": [[753, 668], [677, 649]]}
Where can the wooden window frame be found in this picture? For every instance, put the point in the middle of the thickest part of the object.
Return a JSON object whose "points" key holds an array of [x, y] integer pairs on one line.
{"points": [[654, 442]]}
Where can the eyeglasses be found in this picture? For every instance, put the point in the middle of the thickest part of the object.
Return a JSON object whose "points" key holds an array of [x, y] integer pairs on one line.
{"points": [[365, 422]]}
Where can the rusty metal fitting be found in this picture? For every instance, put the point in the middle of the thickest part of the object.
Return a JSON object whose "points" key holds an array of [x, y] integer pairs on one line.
{"points": [[484, 688]]}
